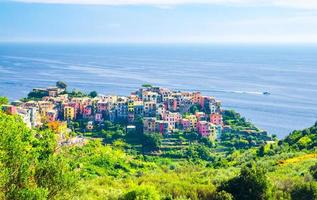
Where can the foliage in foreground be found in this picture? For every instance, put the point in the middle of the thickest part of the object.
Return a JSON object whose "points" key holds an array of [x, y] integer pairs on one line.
{"points": [[34, 167], [30, 168]]}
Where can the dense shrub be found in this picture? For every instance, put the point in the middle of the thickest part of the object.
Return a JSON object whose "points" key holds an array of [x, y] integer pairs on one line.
{"points": [[251, 184], [142, 193], [304, 192], [313, 171]]}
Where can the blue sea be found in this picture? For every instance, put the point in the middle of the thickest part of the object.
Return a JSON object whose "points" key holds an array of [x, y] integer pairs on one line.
{"points": [[236, 74]]}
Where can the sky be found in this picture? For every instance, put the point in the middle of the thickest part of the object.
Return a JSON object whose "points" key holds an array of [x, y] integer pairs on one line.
{"points": [[159, 21]]}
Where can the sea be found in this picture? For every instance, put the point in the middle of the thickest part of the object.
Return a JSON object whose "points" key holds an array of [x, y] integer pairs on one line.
{"points": [[238, 75]]}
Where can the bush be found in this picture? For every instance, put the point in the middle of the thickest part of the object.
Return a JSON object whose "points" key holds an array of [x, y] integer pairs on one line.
{"points": [[142, 193], [29, 167], [222, 195], [304, 192], [93, 94], [313, 171], [152, 141], [4, 100], [249, 185]]}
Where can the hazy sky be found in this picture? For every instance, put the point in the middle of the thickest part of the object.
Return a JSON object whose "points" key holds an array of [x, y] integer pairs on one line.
{"points": [[283, 21]]}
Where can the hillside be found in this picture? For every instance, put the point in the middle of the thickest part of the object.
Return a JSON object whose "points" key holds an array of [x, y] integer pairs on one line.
{"points": [[303, 139], [114, 165]]}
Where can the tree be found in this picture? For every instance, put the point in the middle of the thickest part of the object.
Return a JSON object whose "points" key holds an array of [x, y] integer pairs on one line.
{"points": [[152, 141], [263, 150], [147, 85], [3, 100], [195, 108], [77, 93], [27, 160], [313, 171], [304, 192], [142, 193], [251, 184], [61, 85], [206, 141], [37, 95], [222, 195], [199, 152], [16, 158], [93, 94], [54, 174], [191, 136]]}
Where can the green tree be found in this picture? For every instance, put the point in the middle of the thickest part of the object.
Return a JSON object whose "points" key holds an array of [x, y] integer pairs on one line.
{"points": [[93, 94], [264, 149], [151, 141], [147, 85], [3, 100], [313, 171], [191, 136], [199, 152], [195, 108], [77, 93], [16, 159], [24, 154], [304, 192], [61, 84], [142, 193], [37, 95], [251, 184], [54, 174], [222, 195]]}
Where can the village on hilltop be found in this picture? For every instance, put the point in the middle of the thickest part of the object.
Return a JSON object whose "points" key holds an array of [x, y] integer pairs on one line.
{"points": [[161, 110]]}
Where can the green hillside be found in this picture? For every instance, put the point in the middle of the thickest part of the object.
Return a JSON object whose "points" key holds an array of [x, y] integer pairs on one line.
{"points": [[112, 166]]}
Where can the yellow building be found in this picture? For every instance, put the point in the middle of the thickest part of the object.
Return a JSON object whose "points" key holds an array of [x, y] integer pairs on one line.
{"points": [[193, 120], [213, 131], [131, 106], [69, 113]]}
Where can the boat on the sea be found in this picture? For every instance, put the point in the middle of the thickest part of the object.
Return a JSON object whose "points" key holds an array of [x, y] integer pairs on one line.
{"points": [[266, 93]]}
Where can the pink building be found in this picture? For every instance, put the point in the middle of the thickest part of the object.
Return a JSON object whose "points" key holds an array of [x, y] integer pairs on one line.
{"points": [[174, 104], [172, 118], [203, 128], [216, 118], [11, 110]]}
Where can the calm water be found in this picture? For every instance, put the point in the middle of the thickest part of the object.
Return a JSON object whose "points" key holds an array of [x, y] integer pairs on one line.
{"points": [[235, 74]]}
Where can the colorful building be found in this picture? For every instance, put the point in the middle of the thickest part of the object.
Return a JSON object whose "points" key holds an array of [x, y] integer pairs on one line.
{"points": [[51, 116], [87, 111], [149, 124], [9, 109], [98, 117], [203, 128], [69, 113], [161, 126], [216, 118], [201, 116], [185, 123], [193, 120]]}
